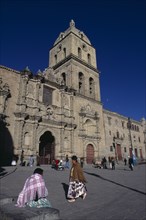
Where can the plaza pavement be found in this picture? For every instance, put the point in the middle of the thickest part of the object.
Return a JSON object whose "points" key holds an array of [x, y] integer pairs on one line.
{"points": [[118, 194]]}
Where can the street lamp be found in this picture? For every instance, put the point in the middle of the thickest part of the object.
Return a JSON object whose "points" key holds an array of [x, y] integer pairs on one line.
{"points": [[145, 136], [129, 125]]}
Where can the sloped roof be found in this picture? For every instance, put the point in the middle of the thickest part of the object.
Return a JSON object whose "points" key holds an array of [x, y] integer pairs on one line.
{"points": [[72, 29]]}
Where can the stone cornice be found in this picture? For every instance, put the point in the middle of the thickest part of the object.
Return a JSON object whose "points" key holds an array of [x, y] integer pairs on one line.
{"points": [[88, 137], [72, 56], [115, 114], [84, 114], [88, 98], [21, 115], [9, 69]]}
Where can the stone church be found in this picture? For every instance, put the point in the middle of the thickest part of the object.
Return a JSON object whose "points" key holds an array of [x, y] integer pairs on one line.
{"points": [[59, 111]]}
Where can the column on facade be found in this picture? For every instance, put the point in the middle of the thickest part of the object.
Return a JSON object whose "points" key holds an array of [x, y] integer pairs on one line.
{"points": [[23, 89], [84, 148], [98, 138], [61, 140], [70, 71], [34, 132], [19, 132], [72, 139], [82, 133], [37, 93], [3, 99], [86, 86], [72, 128], [62, 126]]}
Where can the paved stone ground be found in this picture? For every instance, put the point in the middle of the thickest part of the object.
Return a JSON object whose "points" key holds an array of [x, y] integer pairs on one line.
{"points": [[112, 194]]}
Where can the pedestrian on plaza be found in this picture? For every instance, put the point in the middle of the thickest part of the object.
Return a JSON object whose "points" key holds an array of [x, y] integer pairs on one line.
{"points": [[130, 161], [53, 164], [104, 163], [82, 161], [125, 161], [34, 192], [31, 161], [66, 162], [110, 162], [60, 165], [37, 159], [113, 163], [77, 187], [13, 163], [22, 158]]}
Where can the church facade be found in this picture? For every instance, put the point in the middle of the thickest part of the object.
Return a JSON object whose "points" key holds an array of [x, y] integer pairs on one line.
{"points": [[59, 111]]}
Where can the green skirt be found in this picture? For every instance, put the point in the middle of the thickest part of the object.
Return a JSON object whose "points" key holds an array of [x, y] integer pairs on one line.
{"points": [[43, 202]]}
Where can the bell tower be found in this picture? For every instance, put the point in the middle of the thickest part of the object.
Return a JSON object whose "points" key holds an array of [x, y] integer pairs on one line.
{"points": [[73, 58]]}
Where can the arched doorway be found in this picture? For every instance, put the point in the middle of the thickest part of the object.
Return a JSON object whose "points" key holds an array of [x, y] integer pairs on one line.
{"points": [[6, 144], [47, 148], [90, 154]]}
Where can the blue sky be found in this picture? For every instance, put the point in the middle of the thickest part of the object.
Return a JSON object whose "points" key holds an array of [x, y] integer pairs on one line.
{"points": [[116, 28]]}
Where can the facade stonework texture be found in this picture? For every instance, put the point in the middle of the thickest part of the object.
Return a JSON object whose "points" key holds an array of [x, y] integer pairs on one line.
{"points": [[59, 111]]}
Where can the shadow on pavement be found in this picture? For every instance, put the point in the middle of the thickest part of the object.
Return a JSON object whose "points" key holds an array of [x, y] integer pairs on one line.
{"points": [[2, 171], [111, 181], [65, 187], [4, 174]]}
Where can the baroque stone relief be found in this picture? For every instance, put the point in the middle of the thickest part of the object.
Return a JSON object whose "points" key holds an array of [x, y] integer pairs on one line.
{"points": [[4, 94], [65, 101], [49, 74], [49, 112], [30, 91], [88, 110]]}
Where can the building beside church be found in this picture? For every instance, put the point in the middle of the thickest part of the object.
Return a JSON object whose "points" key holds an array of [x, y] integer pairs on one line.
{"points": [[59, 111]]}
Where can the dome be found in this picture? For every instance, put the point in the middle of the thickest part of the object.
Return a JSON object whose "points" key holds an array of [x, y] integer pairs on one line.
{"points": [[72, 29]]}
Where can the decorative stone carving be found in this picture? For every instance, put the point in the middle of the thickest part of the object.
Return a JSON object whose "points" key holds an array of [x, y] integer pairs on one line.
{"points": [[49, 74], [87, 110], [72, 23], [65, 102], [60, 80], [4, 94], [49, 113], [30, 91]]}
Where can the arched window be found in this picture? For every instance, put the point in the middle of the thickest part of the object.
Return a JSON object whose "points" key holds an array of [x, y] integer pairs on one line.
{"points": [[55, 59], [132, 127], [89, 58], [89, 127], [64, 78], [81, 83], [118, 135], [79, 53], [64, 52], [91, 86], [111, 148], [26, 139]]}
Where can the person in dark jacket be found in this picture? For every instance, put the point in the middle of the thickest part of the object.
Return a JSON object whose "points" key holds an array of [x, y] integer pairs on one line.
{"points": [[130, 163]]}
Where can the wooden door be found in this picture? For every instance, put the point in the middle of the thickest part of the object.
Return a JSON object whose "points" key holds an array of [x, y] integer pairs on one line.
{"points": [[90, 154], [119, 152]]}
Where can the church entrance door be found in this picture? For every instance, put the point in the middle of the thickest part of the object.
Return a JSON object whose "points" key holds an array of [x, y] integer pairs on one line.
{"points": [[47, 148], [90, 154], [119, 152]]}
